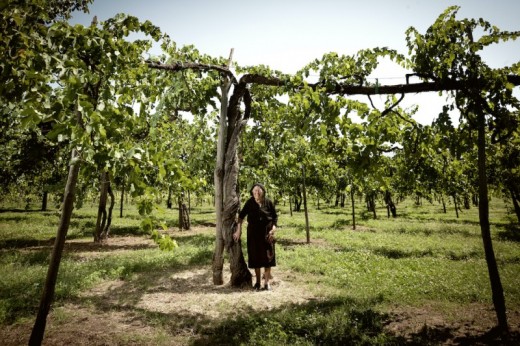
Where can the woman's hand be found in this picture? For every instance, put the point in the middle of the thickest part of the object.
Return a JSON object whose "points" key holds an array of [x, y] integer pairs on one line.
{"points": [[236, 235], [271, 234]]}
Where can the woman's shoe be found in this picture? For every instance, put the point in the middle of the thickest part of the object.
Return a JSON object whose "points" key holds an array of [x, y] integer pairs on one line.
{"points": [[256, 287]]}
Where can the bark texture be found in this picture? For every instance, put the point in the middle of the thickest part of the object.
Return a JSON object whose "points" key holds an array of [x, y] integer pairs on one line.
{"points": [[102, 207]]}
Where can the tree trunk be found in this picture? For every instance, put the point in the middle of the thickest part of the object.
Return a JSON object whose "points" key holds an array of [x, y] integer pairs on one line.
{"points": [[227, 201], [298, 199], [494, 276], [169, 203], [102, 208], [456, 205], [390, 206], [52, 273], [290, 205], [184, 217], [44, 200], [240, 275], [443, 204], [475, 200], [516, 198], [307, 230], [353, 207], [371, 204], [189, 202], [466, 202], [122, 199], [106, 229]]}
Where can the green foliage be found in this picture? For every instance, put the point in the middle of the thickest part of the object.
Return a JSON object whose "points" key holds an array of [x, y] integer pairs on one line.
{"points": [[165, 242]]}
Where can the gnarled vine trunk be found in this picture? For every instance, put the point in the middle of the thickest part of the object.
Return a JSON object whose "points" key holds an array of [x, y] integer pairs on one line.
{"points": [[184, 215], [227, 202], [390, 206], [102, 207], [106, 229]]}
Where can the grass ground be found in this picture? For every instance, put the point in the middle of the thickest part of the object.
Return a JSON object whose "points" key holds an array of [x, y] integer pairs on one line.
{"points": [[418, 279]]}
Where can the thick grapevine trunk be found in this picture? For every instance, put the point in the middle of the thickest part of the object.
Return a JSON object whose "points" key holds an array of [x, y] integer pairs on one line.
{"points": [[106, 229], [102, 207], [184, 216], [227, 202], [390, 204], [240, 274]]}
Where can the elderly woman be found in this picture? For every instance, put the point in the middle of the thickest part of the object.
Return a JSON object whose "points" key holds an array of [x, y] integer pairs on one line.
{"points": [[261, 226]]}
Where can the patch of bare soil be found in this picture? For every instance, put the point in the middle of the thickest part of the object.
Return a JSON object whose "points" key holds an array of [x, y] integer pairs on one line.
{"points": [[167, 307]]}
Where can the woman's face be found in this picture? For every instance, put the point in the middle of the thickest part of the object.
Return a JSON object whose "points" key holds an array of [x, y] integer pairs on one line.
{"points": [[258, 193]]}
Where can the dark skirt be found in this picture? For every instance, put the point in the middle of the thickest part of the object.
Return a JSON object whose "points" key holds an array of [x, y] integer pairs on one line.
{"points": [[260, 252]]}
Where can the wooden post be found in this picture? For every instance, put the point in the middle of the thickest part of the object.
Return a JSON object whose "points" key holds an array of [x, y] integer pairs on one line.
{"points": [[52, 274], [307, 230]]}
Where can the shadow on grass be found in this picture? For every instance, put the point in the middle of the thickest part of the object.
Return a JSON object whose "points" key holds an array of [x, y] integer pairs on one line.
{"points": [[289, 243], [398, 254], [511, 233], [104, 247], [453, 221], [203, 223], [441, 335], [336, 212], [340, 223], [28, 242], [127, 230], [38, 256], [197, 240], [17, 210], [392, 253], [83, 216], [20, 243], [19, 298], [335, 321], [24, 215]]}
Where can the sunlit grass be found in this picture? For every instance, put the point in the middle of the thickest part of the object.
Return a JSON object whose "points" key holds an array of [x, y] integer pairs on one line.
{"points": [[409, 259], [422, 256]]}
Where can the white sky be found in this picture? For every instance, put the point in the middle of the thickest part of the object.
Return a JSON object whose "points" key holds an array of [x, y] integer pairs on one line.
{"points": [[288, 34]]}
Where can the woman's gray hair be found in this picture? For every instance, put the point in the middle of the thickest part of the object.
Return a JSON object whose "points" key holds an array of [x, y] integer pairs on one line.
{"points": [[260, 186]]}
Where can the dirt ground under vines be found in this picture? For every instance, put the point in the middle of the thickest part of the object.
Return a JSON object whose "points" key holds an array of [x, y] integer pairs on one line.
{"points": [[178, 303]]}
